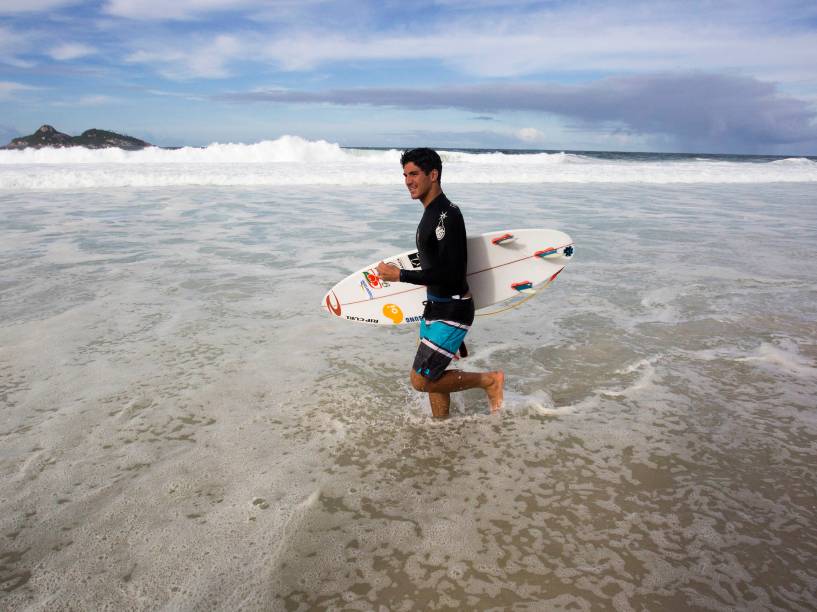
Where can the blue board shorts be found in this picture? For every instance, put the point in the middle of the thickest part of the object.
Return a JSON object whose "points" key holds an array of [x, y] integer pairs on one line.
{"points": [[442, 331]]}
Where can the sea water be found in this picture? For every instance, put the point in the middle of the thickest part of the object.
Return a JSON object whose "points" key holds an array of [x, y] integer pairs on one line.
{"points": [[183, 427]]}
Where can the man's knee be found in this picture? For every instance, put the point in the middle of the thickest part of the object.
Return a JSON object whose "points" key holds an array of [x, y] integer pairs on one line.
{"points": [[418, 381]]}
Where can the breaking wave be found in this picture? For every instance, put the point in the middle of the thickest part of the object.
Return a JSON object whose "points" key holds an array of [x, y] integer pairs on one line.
{"points": [[291, 160]]}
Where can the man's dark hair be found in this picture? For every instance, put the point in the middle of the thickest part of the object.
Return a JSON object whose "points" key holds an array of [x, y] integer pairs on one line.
{"points": [[425, 159]]}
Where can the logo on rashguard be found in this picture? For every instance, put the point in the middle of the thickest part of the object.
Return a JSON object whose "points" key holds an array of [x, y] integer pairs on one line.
{"points": [[393, 312], [440, 231]]}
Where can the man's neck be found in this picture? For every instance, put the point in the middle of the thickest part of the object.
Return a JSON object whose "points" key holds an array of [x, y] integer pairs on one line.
{"points": [[431, 195]]}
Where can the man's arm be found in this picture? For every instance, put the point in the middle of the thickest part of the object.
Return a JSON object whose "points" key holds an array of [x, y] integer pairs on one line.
{"points": [[391, 273], [388, 272]]}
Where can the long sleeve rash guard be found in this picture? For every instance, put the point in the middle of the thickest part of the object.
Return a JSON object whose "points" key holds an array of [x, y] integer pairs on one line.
{"points": [[442, 250]]}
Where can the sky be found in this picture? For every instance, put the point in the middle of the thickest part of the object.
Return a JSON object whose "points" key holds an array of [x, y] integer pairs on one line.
{"points": [[703, 76]]}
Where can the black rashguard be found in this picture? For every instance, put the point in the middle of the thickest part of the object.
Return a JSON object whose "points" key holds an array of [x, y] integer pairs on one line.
{"points": [[442, 250]]}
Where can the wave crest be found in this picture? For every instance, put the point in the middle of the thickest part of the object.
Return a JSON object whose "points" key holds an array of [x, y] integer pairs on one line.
{"points": [[292, 160]]}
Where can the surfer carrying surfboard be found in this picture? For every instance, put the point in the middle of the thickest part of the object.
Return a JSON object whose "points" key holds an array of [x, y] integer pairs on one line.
{"points": [[449, 309]]}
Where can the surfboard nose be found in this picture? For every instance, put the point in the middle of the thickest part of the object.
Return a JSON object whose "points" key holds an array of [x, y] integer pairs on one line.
{"points": [[332, 303]]}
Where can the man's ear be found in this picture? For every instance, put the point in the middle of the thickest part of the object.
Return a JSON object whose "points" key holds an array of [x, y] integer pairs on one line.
{"points": [[435, 175]]}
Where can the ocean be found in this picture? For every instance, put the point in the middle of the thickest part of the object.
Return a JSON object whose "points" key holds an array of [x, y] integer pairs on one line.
{"points": [[183, 427]]}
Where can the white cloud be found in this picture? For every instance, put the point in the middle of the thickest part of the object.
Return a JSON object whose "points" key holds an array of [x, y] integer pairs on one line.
{"points": [[9, 89], [526, 44], [551, 43], [176, 94], [530, 134], [200, 58], [70, 51], [12, 44], [161, 10], [8, 7], [89, 100], [499, 40], [96, 100]]}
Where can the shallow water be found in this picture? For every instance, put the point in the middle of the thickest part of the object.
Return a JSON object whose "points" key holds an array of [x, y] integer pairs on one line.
{"points": [[184, 427]]}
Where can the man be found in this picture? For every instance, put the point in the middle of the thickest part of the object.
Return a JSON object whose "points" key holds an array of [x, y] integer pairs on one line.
{"points": [[449, 309]]}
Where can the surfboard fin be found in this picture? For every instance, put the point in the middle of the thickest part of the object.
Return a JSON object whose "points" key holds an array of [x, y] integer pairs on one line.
{"points": [[503, 239], [554, 252]]}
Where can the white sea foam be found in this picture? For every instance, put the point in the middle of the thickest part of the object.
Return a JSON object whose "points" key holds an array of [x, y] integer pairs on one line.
{"points": [[291, 160], [783, 358], [182, 428]]}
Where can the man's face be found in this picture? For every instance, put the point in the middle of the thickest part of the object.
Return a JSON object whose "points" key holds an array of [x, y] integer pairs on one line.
{"points": [[418, 182]]}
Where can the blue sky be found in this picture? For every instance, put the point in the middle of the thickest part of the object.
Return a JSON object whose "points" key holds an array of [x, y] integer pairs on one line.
{"points": [[696, 76]]}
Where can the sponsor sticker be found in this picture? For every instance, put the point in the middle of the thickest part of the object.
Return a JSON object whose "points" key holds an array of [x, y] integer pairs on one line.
{"points": [[333, 308], [367, 290], [373, 280], [393, 312], [361, 319]]}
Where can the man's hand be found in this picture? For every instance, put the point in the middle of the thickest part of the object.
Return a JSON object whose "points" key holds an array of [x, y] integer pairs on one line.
{"points": [[388, 272]]}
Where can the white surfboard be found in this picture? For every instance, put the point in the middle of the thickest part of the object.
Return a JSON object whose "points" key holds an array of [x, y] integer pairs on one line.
{"points": [[502, 266]]}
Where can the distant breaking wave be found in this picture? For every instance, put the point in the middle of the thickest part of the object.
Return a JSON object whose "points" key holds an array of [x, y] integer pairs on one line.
{"points": [[284, 149], [291, 160]]}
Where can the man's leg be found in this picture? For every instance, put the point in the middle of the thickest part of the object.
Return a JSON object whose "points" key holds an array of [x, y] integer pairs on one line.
{"points": [[442, 334], [440, 403], [455, 380]]}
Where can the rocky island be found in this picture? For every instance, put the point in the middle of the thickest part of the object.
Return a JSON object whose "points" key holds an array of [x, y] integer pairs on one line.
{"points": [[47, 136]]}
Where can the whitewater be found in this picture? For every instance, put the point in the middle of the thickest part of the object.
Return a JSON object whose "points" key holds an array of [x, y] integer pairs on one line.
{"points": [[185, 428], [291, 160]]}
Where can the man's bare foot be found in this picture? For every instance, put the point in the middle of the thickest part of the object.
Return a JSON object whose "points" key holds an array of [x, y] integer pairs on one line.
{"points": [[496, 391]]}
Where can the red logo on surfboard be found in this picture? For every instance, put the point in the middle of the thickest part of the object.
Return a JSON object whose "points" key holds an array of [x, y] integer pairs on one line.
{"points": [[335, 309], [372, 279]]}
